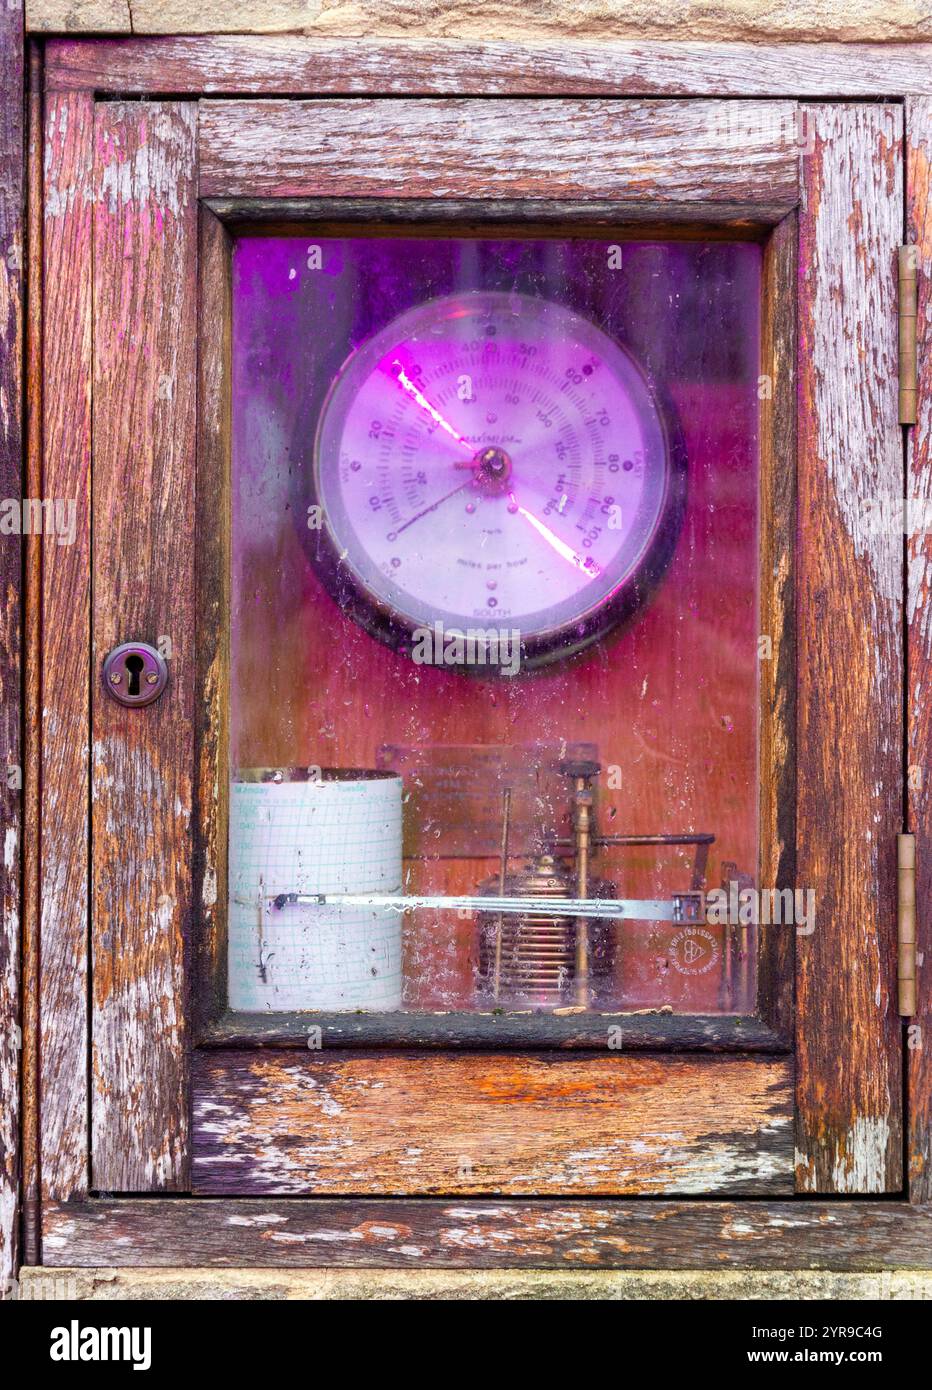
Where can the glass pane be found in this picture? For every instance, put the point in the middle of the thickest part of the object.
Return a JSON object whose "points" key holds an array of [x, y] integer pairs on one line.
{"points": [[495, 585]]}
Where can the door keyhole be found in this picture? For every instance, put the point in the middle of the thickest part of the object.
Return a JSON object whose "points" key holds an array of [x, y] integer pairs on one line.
{"points": [[134, 674], [135, 666]]}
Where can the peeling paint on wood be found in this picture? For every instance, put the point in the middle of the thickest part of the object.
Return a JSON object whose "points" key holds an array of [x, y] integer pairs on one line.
{"points": [[11, 472], [297, 65], [849, 1101], [658, 157], [414, 1233], [512, 1124], [66, 415], [919, 650], [145, 246]]}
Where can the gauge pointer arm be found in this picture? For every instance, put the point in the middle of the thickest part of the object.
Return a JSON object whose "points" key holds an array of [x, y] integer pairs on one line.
{"points": [[432, 508]]}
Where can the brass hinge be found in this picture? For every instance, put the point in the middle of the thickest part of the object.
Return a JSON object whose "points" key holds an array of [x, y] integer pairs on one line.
{"points": [[908, 283], [906, 924]]}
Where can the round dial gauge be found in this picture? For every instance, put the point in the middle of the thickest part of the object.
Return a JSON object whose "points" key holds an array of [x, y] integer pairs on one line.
{"points": [[490, 460]]}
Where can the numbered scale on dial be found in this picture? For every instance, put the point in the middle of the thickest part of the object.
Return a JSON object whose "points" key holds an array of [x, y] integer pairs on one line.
{"points": [[489, 461]]}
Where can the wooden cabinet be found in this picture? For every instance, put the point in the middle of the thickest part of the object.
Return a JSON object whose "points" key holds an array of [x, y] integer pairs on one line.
{"points": [[189, 194]]}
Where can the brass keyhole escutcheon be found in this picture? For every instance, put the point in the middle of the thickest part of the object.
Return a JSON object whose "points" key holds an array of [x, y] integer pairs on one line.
{"points": [[135, 674]]}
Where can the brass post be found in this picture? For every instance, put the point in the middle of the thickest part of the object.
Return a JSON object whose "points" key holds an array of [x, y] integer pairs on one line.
{"points": [[502, 872], [581, 774], [583, 826]]}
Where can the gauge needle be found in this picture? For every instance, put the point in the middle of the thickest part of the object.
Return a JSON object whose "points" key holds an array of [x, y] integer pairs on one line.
{"points": [[566, 552], [432, 508], [415, 392]]}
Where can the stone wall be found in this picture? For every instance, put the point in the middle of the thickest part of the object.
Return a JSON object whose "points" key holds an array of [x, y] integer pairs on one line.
{"points": [[880, 21]]}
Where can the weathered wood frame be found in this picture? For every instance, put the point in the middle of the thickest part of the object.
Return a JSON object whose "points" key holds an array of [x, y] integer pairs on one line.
{"points": [[143, 68], [295, 65], [465, 1233], [12, 251], [919, 649]]}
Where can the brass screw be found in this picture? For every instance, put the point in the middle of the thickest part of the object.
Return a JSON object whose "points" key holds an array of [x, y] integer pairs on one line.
{"points": [[115, 677], [151, 678]]}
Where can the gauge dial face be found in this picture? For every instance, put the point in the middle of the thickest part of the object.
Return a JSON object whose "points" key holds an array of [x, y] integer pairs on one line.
{"points": [[494, 460]]}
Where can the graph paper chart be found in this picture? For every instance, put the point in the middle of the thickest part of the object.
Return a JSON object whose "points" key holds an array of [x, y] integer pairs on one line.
{"points": [[340, 833]]}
